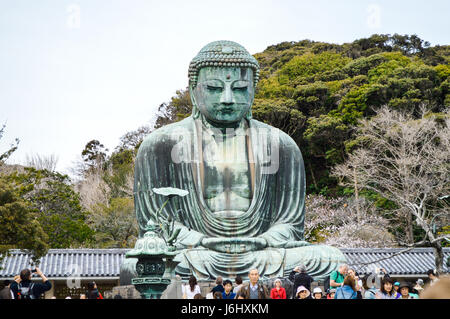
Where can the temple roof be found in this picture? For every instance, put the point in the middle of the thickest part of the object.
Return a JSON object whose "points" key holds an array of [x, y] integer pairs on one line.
{"points": [[95, 263]]}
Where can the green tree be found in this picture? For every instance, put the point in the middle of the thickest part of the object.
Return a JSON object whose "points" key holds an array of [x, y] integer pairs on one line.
{"points": [[57, 205], [19, 224]]}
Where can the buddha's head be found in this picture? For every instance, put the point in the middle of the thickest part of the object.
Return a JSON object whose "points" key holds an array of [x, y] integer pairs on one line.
{"points": [[222, 81]]}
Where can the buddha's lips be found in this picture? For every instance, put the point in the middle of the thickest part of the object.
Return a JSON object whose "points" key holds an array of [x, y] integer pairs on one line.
{"points": [[226, 110]]}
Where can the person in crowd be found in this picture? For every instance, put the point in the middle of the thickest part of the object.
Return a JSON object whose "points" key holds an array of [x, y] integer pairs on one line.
{"points": [[358, 282], [439, 290], [240, 295], [317, 293], [404, 289], [302, 293], [219, 285], [228, 290], [432, 276], [387, 290], [278, 292], [199, 296], [337, 276], [369, 287], [24, 288], [92, 292], [396, 286], [239, 284], [292, 274], [331, 293], [6, 292], [117, 296], [82, 296], [419, 286], [191, 289], [255, 289], [218, 295], [302, 279], [347, 290]]}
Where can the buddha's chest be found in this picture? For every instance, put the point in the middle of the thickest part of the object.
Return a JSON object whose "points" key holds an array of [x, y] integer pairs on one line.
{"points": [[227, 180]]}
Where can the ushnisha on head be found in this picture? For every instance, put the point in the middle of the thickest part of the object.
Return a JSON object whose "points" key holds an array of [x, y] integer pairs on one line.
{"points": [[222, 81]]}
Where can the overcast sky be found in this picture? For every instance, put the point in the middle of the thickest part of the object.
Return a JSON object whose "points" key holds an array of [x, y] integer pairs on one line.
{"points": [[73, 71]]}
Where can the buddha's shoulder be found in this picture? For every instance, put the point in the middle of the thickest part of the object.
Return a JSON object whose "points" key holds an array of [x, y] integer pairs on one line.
{"points": [[284, 138], [168, 133]]}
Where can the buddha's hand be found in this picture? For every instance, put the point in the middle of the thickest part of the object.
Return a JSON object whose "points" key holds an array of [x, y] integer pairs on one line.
{"points": [[234, 245]]}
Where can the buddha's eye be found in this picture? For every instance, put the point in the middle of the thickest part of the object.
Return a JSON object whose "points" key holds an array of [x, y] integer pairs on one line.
{"points": [[240, 86], [214, 86]]}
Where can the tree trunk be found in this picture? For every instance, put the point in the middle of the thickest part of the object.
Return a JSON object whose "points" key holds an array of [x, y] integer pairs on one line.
{"points": [[312, 176], [356, 195], [438, 257], [409, 228]]}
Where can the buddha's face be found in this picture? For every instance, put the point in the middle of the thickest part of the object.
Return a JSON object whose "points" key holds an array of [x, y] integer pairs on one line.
{"points": [[224, 95]]}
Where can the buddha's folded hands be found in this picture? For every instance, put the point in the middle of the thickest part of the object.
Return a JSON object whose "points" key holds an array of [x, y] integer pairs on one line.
{"points": [[233, 244]]}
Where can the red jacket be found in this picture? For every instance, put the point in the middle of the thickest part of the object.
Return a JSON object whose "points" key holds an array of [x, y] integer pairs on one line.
{"points": [[278, 294]]}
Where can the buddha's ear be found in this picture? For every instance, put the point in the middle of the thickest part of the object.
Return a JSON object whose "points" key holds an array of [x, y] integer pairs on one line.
{"points": [[195, 109]]}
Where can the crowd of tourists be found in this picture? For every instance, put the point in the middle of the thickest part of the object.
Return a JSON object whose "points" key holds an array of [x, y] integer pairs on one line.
{"points": [[22, 287], [343, 283]]}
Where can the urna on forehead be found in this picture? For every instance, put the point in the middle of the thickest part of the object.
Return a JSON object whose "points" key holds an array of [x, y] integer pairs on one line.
{"points": [[222, 54]]}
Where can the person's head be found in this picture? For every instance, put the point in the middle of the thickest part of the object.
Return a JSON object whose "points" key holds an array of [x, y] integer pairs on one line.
{"points": [[218, 295], [302, 292], [68, 297], [317, 293], [368, 282], [432, 274], [219, 281], [349, 280], [25, 275], [297, 269], [419, 283], [277, 283], [91, 285], [387, 286], [404, 288], [302, 268], [82, 296], [6, 283], [227, 285], [253, 275], [192, 282], [396, 286], [238, 280], [117, 296], [198, 296], [343, 269], [54, 297], [351, 272], [332, 293], [222, 81], [240, 294]]}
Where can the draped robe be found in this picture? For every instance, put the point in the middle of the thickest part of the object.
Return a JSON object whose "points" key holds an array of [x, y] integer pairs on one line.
{"points": [[172, 157]]}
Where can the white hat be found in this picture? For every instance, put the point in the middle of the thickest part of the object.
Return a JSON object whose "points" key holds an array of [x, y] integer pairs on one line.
{"points": [[301, 288], [317, 290]]}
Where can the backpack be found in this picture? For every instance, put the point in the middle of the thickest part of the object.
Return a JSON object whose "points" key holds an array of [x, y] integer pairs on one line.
{"points": [[326, 284], [26, 292], [342, 294]]}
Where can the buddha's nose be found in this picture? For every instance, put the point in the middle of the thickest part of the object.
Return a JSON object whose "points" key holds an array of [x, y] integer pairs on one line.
{"points": [[227, 96]]}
